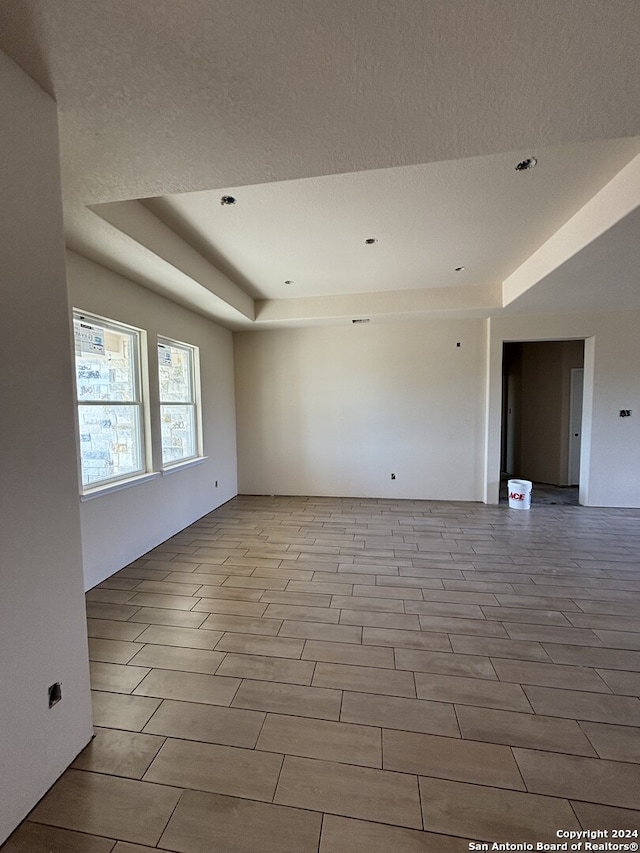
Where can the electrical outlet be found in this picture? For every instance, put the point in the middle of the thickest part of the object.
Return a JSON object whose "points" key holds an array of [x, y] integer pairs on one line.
{"points": [[625, 413], [55, 693], [393, 476]]}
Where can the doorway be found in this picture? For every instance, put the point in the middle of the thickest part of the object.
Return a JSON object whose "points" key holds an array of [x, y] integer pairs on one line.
{"points": [[575, 424], [542, 384]]}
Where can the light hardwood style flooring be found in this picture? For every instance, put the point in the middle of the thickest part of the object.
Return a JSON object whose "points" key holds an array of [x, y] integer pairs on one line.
{"points": [[321, 675]]}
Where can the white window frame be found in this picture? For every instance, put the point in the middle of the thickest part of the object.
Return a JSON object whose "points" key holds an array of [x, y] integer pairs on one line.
{"points": [[194, 402], [139, 401]]}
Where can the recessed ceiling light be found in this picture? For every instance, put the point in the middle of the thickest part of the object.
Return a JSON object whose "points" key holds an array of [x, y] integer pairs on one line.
{"points": [[227, 199], [459, 269], [528, 163], [370, 241]]}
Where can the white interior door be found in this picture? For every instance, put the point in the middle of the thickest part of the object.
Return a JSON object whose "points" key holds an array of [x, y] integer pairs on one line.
{"points": [[575, 424]]}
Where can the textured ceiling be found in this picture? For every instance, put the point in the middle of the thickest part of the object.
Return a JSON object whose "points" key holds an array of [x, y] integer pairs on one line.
{"points": [[479, 213], [331, 121]]}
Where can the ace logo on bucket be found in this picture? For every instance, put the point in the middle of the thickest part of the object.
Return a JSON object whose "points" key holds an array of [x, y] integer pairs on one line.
{"points": [[519, 494]]}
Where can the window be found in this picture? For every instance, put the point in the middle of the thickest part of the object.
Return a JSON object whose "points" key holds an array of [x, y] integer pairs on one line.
{"points": [[179, 401], [110, 409]]}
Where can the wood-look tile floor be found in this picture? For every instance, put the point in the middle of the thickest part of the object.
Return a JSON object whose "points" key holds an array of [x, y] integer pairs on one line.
{"points": [[294, 675]]}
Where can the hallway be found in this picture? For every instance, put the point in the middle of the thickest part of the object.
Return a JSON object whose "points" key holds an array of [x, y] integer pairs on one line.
{"points": [[293, 675]]}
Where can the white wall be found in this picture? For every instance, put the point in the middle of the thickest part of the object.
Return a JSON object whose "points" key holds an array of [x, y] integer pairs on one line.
{"points": [[122, 525], [336, 410], [610, 466], [42, 629]]}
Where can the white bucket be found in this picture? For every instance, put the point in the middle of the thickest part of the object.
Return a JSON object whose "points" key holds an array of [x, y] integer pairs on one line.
{"points": [[519, 494]]}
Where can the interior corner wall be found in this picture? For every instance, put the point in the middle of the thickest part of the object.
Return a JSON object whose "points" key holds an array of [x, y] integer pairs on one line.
{"points": [[43, 637], [610, 464], [544, 411], [120, 526], [540, 412], [335, 410]]}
